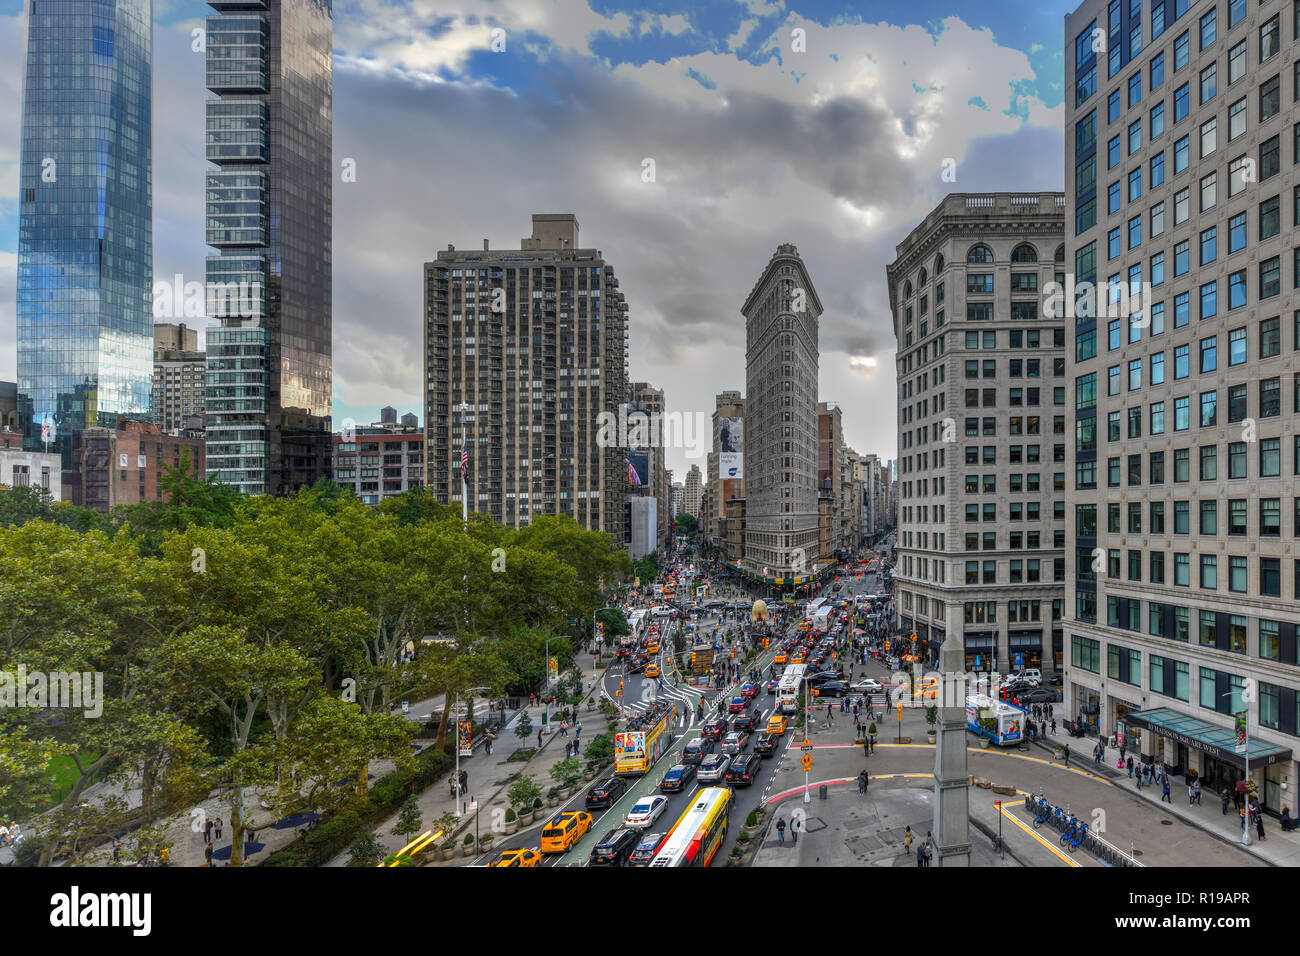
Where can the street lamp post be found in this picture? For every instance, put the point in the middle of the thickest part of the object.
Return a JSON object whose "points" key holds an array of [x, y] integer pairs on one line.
{"points": [[455, 712]]}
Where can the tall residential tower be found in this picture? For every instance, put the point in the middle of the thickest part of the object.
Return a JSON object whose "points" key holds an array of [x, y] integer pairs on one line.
{"points": [[525, 350], [85, 231], [269, 218]]}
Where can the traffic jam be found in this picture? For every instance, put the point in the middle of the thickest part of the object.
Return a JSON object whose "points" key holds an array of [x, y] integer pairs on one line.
{"points": [[701, 735]]}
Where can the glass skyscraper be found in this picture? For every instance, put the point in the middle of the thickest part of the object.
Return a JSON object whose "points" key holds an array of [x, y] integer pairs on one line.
{"points": [[268, 200], [85, 234]]}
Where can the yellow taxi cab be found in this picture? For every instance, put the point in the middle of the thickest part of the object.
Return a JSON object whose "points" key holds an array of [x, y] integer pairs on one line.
{"points": [[563, 830], [652, 647], [798, 659], [776, 725], [781, 657], [523, 857], [652, 669]]}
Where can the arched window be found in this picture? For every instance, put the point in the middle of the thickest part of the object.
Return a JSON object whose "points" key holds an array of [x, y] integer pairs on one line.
{"points": [[1024, 253], [979, 253], [907, 289], [1060, 253], [938, 263], [923, 277]]}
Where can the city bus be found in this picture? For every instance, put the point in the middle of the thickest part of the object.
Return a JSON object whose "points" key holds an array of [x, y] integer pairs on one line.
{"points": [[810, 611], [791, 686], [645, 740], [698, 833]]}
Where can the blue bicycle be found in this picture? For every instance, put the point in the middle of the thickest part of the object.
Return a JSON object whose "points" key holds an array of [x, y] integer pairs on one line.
{"points": [[1070, 831], [1042, 811], [1080, 835]]}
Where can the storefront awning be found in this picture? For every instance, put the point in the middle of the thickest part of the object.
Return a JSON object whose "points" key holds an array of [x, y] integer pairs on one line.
{"points": [[1219, 742]]}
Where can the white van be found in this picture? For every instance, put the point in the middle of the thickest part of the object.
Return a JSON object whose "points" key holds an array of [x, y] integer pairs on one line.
{"points": [[1031, 674]]}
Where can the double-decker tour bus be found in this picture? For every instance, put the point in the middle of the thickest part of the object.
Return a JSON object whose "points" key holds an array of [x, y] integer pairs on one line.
{"points": [[698, 833], [647, 736]]}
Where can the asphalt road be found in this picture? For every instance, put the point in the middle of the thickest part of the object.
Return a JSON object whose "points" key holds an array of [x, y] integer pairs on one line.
{"points": [[639, 693]]}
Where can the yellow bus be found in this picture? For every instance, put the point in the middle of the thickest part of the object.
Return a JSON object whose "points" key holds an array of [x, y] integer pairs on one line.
{"points": [[698, 833], [645, 740]]}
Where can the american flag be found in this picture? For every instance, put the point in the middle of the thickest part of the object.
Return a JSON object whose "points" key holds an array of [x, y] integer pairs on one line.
{"points": [[464, 463]]}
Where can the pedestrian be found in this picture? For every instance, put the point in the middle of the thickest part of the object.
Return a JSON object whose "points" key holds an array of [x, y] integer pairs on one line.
{"points": [[568, 751], [907, 840], [829, 719], [794, 831], [488, 746], [464, 781], [539, 738], [1191, 795], [1049, 710], [1067, 755], [1164, 792], [564, 728], [207, 830], [1130, 767], [780, 831], [1223, 800], [207, 855], [920, 855], [1138, 779], [218, 827], [1196, 790]]}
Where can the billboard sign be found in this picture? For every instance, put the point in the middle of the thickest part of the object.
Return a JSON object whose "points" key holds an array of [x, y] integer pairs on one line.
{"points": [[731, 448]]}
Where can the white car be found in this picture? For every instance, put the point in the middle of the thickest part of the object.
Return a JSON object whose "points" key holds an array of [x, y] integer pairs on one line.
{"points": [[645, 812], [869, 686]]}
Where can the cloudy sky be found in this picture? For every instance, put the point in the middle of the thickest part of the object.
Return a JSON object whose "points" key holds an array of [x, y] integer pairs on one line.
{"points": [[816, 122]]}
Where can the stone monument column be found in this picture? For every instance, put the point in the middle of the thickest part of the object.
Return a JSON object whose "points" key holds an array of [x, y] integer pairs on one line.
{"points": [[951, 780]]}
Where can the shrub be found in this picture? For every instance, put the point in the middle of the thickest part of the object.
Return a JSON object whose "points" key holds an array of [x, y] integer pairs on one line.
{"points": [[468, 841], [522, 793], [743, 837], [511, 816], [567, 772], [872, 730], [752, 819]]}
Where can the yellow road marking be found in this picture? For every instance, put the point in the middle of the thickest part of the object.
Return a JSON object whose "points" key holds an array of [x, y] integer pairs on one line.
{"points": [[1033, 833]]}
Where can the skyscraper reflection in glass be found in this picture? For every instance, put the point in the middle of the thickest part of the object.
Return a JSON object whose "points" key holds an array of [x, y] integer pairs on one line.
{"points": [[85, 233]]}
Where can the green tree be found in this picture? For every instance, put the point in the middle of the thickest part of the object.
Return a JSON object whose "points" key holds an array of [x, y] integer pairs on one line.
{"points": [[409, 819], [523, 792], [367, 851], [523, 728]]}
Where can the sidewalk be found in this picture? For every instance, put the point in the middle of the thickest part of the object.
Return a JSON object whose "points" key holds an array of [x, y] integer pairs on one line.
{"points": [[490, 777], [1278, 848]]}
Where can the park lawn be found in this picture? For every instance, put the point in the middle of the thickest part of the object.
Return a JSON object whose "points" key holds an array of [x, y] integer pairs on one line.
{"points": [[63, 772]]}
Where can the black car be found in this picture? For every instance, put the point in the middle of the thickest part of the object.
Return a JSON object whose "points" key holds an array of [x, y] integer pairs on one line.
{"points": [[605, 792], [697, 749], [744, 769], [636, 665], [765, 744], [676, 779], [833, 688], [746, 721], [822, 676], [1039, 695], [615, 847], [645, 850], [714, 729]]}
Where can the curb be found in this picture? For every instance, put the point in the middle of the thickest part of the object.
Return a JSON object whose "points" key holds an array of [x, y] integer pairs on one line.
{"points": [[1118, 784], [988, 832]]}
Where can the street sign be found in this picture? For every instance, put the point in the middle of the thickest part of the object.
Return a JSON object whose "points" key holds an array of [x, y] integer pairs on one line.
{"points": [[806, 746], [807, 760]]}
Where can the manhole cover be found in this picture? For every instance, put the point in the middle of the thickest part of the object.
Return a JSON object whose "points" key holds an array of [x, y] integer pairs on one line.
{"points": [[813, 824], [1166, 823]]}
